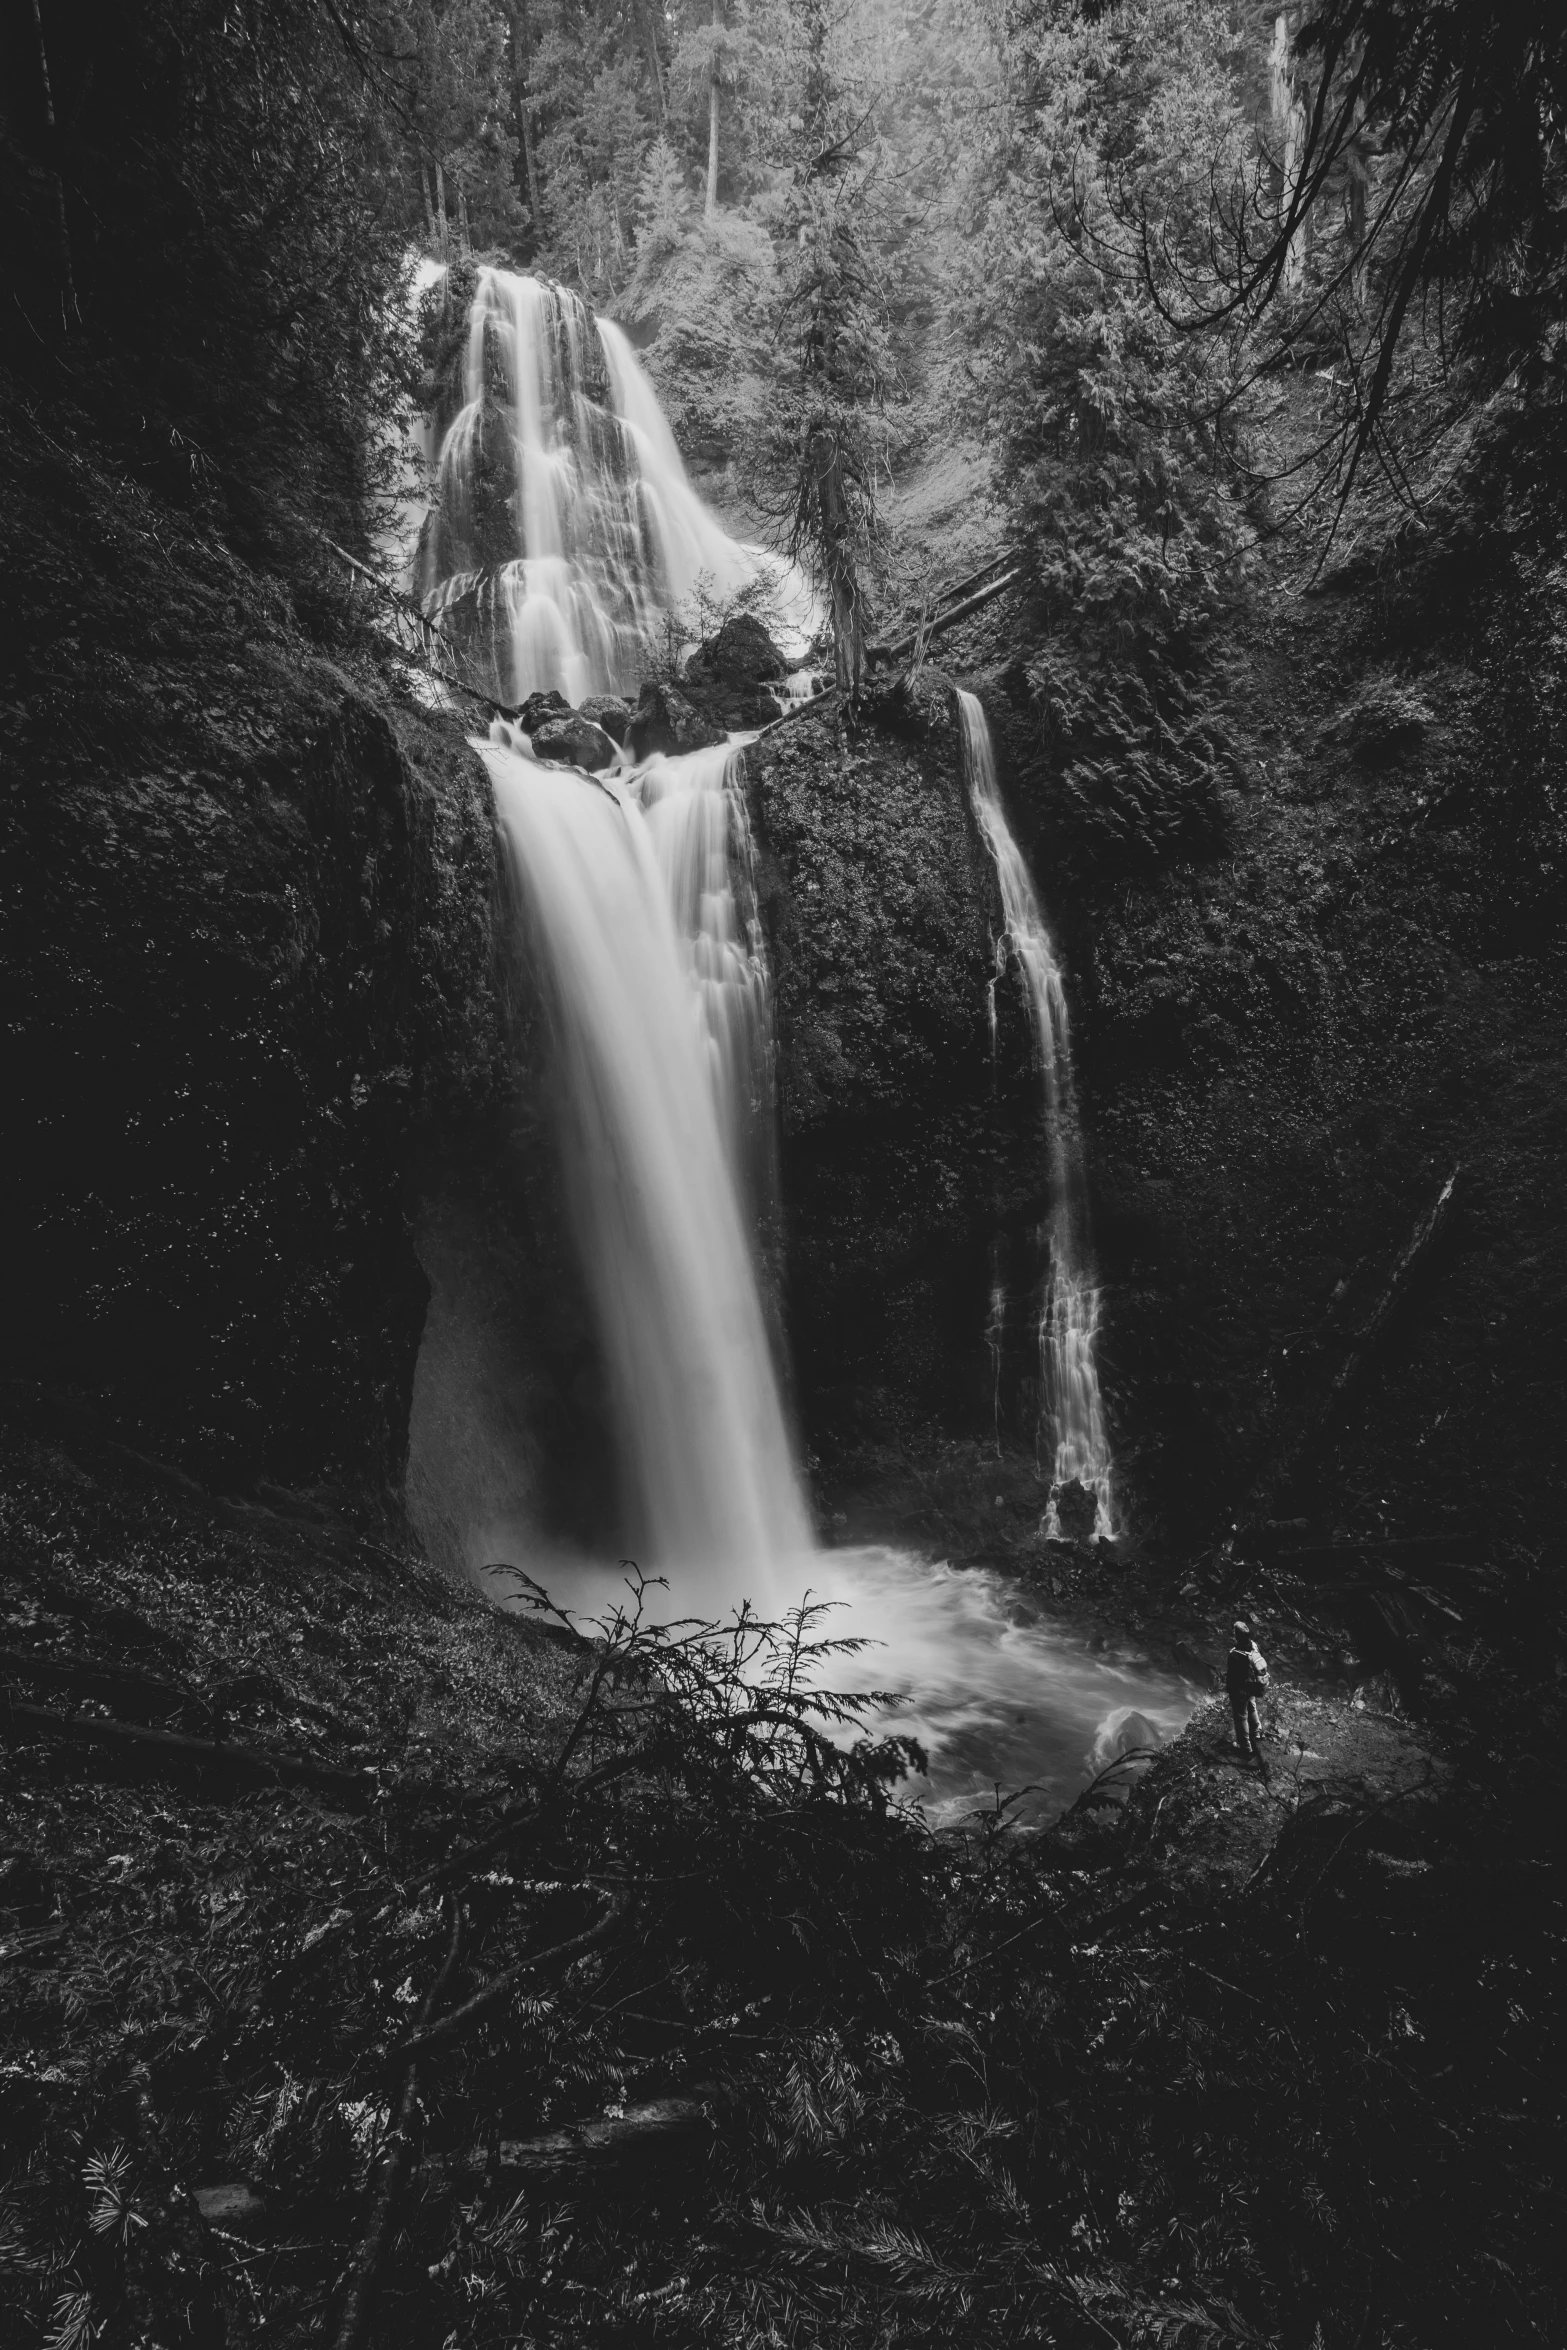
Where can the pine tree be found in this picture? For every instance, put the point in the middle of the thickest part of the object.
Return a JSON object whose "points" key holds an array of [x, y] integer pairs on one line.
{"points": [[834, 313]]}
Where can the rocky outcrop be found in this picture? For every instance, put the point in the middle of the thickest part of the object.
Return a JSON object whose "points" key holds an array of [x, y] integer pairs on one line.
{"points": [[1285, 1045], [665, 721], [727, 679], [611, 711], [247, 952], [543, 709], [577, 741]]}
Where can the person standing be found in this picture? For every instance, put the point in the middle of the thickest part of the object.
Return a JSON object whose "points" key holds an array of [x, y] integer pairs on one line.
{"points": [[1246, 1678]]}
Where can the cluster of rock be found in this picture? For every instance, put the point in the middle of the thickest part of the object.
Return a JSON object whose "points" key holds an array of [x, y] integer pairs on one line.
{"points": [[727, 684]]}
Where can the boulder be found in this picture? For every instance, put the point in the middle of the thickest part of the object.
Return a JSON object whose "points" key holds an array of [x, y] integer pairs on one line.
{"points": [[609, 711], [538, 709], [732, 706], [741, 654], [575, 740], [664, 720], [727, 678], [1076, 1510]]}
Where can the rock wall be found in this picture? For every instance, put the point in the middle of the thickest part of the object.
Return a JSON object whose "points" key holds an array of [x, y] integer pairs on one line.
{"points": [[910, 1139], [247, 961], [1287, 1044]]}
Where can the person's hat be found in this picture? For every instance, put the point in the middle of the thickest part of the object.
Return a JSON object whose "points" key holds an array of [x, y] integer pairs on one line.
{"points": [[1243, 1631]]}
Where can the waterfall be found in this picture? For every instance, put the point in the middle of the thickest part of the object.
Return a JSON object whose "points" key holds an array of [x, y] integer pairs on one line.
{"points": [[660, 1009], [696, 814], [636, 893], [565, 538], [1069, 1316]]}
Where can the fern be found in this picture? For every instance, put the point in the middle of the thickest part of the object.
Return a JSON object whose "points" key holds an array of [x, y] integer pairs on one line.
{"points": [[71, 2324], [107, 2180]]}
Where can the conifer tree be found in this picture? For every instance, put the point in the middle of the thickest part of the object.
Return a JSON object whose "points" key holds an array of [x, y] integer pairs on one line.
{"points": [[834, 320]]}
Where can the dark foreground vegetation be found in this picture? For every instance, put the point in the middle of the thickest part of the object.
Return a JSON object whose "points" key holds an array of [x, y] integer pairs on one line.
{"points": [[575, 1991]]}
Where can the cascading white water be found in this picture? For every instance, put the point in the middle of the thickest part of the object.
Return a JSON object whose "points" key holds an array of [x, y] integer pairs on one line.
{"points": [[636, 892], [652, 1190], [1069, 1317], [564, 533], [573, 528], [695, 809]]}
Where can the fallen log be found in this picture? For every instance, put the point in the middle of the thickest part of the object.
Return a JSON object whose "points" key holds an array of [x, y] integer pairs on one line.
{"points": [[131, 1745], [961, 587], [632, 2154], [499, 1988], [1417, 1250], [1330, 1554], [142, 1695], [31, 1945], [815, 707], [943, 621], [1290, 1461]]}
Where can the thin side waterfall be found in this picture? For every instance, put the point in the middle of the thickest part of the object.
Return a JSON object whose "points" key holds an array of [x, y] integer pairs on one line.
{"points": [[564, 534], [1069, 1317]]}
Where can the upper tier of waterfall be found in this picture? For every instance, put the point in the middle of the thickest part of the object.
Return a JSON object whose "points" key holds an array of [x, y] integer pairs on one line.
{"points": [[565, 543]]}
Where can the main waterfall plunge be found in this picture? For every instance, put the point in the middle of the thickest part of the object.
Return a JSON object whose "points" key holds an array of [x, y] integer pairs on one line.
{"points": [[636, 896]]}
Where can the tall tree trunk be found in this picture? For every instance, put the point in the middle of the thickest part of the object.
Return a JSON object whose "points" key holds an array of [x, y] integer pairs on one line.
{"points": [[521, 60], [68, 305], [712, 117], [440, 208], [1289, 129], [462, 218], [824, 455], [655, 64], [424, 192]]}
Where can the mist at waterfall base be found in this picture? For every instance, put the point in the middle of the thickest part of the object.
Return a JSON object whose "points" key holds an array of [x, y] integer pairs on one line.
{"points": [[565, 528], [660, 995]]}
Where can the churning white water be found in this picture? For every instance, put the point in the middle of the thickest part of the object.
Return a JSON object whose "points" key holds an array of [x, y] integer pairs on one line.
{"points": [[651, 1185], [1069, 1314], [564, 536], [637, 891]]}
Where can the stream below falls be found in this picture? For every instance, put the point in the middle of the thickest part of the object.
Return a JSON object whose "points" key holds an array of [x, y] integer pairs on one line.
{"points": [[998, 1693]]}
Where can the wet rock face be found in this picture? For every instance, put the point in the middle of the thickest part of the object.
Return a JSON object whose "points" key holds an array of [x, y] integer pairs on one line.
{"points": [[728, 677], [1285, 1045], [742, 653], [576, 740], [246, 950], [611, 711], [543, 709], [664, 720], [905, 1147]]}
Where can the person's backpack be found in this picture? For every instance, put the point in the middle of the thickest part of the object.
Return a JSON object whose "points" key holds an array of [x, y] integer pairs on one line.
{"points": [[1259, 1670]]}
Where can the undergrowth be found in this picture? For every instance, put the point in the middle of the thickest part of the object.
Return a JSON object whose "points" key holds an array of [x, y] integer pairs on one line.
{"points": [[738, 2050]]}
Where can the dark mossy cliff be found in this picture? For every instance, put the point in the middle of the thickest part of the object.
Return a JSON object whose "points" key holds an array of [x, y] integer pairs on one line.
{"points": [[910, 1132], [248, 963], [1288, 1041]]}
